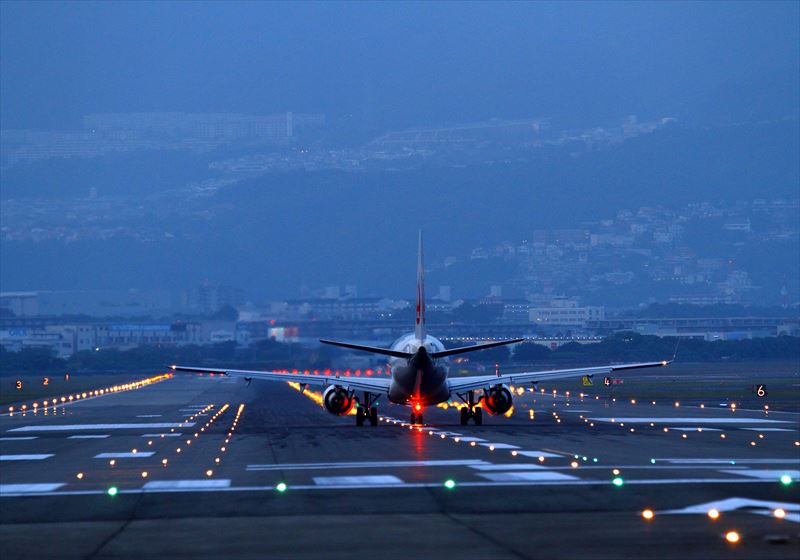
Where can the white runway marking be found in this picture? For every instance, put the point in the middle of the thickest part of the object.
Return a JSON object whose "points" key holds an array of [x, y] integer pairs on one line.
{"points": [[29, 457], [124, 455], [695, 429], [380, 479], [470, 438], [29, 488], [500, 445], [186, 484], [507, 467], [364, 464], [407, 485], [171, 434], [538, 454], [525, 476], [728, 461], [79, 427], [769, 429], [90, 436], [763, 474], [148, 416], [685, 420], [731, 504], [20, 438]]}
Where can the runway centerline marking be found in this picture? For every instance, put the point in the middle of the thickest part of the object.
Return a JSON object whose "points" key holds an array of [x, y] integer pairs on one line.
{"points": [[365, 464], [686, 420], [769, 429], [18, 438], [79, 427], [507, 467], [148, 416], [89, 436], [170, 434], [26, 457], [499, 445], [763, 474], [679, 461], [186, 484], [525, 476], [125, 455], [30, 488], [379, 480], [545, 454]]}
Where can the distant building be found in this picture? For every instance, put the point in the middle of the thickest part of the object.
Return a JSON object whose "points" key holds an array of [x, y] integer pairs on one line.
{"points": [[21, 304], [567, 312]]}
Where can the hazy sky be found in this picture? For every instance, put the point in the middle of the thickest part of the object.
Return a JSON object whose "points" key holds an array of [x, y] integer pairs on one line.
{"points": [[394, 64]]}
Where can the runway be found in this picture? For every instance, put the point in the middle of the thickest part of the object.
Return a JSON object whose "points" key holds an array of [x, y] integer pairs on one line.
{"points": [[198, 466]]}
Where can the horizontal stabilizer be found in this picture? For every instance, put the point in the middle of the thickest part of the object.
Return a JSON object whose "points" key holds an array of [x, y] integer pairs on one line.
{"points": [[372, 349], [473, 348]]}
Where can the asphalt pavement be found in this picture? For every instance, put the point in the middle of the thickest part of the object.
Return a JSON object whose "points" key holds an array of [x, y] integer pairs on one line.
{"points": [[204, 466]]}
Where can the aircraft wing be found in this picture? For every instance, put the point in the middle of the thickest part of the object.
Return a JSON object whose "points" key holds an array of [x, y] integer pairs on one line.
{"points": [[354, 383], [460, 384]]}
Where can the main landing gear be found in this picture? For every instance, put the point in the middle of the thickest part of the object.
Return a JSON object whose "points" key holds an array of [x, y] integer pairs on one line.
{"points": [[470, 411], [416, 417], [367, 411]]}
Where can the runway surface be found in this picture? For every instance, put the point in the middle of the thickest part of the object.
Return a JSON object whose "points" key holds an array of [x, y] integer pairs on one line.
{"points": [[195, 467]]}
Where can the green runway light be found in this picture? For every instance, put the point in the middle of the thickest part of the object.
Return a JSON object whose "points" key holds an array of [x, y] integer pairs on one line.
{"points": [[594, 459], [112, 491], [786, 480], [585, 458], [281, 487], [617, 481], [652, 461], [449, 483]]}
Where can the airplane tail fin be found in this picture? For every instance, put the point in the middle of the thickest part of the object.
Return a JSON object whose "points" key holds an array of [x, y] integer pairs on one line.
{"points": [[419, 327]]}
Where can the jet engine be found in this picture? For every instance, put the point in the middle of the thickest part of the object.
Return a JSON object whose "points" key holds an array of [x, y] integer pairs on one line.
{"points": [[498, 400], [337, 400]]}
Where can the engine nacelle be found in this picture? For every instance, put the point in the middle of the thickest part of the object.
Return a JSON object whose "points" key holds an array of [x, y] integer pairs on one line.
{"points": [[337, 400], [498, 400]]}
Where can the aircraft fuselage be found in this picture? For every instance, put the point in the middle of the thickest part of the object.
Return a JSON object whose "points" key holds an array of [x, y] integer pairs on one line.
{"points": [[420, 379]]}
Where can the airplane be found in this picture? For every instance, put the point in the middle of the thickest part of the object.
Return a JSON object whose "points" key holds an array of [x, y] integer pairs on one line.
{"points": [[419, 378]]}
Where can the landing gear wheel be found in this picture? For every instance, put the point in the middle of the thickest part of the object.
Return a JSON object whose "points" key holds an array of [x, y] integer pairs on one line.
{"points": [[359, 416], [477, 416], [373, 416], [419, 418], [413, 418], [464, 415]]}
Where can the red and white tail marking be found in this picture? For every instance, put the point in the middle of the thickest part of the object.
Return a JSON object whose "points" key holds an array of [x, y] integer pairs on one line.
{"points": [[419, 327]]}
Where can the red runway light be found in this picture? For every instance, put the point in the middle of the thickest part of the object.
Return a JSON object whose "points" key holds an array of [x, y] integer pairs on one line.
{"points": [[417, 407]]}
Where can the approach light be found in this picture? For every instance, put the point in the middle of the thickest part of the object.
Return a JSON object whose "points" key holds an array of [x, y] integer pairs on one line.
{"points": [[780, 513], [713, 513], [648, 514], [449, 483]]}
